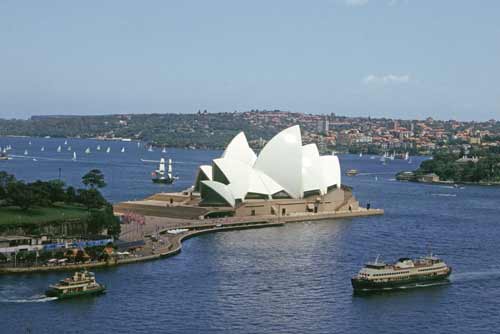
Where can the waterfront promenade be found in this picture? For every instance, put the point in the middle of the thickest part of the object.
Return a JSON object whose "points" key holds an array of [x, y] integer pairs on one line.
{"points": [[159, 243]]}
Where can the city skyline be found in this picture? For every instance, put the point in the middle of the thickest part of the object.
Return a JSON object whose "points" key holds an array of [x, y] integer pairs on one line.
{"points": [[396, 59]]}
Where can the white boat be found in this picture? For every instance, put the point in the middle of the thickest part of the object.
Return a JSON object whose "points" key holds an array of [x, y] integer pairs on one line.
{"points": [[108, 149], [69, 148], [407, 156], [87, 150], [360, 154], [74, 156], [29, 143], [98, 147], [58, 148], [42, 149], [65, 142], [164, 150], [25, 152], [138, 144], [150, 149], [34, 159], [123, 150]]}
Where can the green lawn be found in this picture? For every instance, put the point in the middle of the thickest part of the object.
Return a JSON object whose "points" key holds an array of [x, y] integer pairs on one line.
{"points": [[14, 215]]}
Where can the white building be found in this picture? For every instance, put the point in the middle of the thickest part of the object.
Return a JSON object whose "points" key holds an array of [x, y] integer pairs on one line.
{"points": [[284, 169]]}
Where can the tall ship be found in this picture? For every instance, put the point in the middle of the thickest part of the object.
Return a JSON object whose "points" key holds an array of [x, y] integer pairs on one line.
{"points": [[81, 283], [405, 272], [159, 175]]}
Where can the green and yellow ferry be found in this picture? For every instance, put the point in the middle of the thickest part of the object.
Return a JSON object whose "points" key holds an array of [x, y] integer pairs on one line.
{"points": [[80, 284], [405, 273]]}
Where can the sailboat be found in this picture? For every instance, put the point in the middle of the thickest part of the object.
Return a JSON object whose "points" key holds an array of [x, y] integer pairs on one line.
{"points": [[138, 144], [25, 152], [407, 156], [159, 175], [42, 149], [150, 149], [87, 150], [98, 147], [69, 148], [29, 143], [74, 156], [108, 149], [123, 150], [58, 148], [164, 150], [360, 154], [65, 142]]}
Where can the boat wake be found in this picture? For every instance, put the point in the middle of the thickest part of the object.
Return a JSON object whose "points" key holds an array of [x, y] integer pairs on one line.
{"points": [[444, 195], [34, 299]]}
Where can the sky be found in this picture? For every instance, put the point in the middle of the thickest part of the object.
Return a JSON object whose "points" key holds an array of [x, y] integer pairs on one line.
{"points": [[378, 58]]}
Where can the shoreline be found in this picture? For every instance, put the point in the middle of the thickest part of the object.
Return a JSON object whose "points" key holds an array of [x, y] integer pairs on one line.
{"points": [[196, 228]]}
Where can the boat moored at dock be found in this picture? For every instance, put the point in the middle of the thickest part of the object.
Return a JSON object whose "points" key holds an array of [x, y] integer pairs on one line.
{"points": [[404, 273]]}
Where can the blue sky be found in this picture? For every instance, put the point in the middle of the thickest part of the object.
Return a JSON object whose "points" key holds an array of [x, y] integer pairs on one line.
{"points": [[394, 58]]}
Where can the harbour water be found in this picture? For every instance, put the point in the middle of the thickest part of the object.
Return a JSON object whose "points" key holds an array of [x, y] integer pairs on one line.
{"points": [[290, 279]]}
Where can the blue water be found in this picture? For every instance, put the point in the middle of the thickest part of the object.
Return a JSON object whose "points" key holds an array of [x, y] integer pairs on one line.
{"points": [[290, 279]]}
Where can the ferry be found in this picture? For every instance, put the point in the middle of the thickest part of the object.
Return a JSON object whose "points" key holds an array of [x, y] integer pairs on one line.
{"points": [[406, 272], [80, 284]]}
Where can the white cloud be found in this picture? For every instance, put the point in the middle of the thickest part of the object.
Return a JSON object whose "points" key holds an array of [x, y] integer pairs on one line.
{"points": [[386, 79], [356, 3]]}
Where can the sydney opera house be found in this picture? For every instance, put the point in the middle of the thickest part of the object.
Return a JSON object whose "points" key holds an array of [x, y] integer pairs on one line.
{"points": [[285, 178]]}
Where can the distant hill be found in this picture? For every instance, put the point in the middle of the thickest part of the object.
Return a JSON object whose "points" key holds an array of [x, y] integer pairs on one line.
{"points": [[200, 130]]}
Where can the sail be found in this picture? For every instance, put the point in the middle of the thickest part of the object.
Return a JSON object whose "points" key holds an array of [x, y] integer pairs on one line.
{"points": [[123, 149], [59, 148], [161, 169], [74, 156], [108, 149]]}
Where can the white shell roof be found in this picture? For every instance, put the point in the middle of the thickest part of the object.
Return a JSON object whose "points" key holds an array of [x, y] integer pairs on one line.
{"points": [[222, 190], [238, 149], [331, 170], [312, 174], [243, 179], [281, 160], [282, 165], [207, 170]]}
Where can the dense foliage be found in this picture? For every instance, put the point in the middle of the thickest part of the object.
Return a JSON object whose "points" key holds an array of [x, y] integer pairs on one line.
{"points": [[42, 194], [448, 167]]}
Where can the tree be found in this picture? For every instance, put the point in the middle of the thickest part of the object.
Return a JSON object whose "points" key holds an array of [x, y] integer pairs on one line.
{"points": [[91, 198], [103, 219], [94, 179], [5, 180], [71, 196], [21, 195]]}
